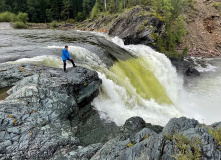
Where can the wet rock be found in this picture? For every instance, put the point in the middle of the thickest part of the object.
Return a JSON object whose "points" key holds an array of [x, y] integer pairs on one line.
{"points": [[155, 128], [91, 129], [192, 72], [134, 123]]}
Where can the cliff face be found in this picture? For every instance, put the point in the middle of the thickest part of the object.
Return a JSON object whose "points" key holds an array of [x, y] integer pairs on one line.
{"points": [[137, 26], [204, 29], [134, 26]]}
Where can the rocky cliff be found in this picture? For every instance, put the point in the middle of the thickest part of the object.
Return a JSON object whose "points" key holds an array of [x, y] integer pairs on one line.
{"points": [[134, 26], [139, 26], [47, 115], [204, 29]]}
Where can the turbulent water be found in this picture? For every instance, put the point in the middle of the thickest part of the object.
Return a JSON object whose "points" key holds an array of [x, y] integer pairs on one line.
{"points": [[137, 81]]}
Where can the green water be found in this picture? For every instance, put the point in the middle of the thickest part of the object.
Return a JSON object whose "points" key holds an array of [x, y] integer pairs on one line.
{"points": [[137, 72], [3, 93]]}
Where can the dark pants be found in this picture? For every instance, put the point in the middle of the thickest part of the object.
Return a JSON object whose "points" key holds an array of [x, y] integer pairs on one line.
{"points": [[66, 63]]}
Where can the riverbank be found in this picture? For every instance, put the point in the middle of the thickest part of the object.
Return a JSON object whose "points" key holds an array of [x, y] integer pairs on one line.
{"points": [[6, 25]]}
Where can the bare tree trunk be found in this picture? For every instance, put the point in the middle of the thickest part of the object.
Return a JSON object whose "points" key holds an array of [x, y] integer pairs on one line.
{"points": [[105, 5], [115, 5], [125, 3]]}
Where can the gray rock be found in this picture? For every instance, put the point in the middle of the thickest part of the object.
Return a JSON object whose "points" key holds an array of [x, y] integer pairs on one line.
{"points": [[134, 123], [34, 121], [216, 125], [179, 125], [147, 144], [140, 29], [83, 153], [192, 72]]}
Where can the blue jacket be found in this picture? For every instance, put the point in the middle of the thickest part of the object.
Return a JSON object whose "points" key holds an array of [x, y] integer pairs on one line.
{"points": [[65, 54]]}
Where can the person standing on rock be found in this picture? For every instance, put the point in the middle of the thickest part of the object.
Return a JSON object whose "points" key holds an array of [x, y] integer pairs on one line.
{"points": [[66, 56]]}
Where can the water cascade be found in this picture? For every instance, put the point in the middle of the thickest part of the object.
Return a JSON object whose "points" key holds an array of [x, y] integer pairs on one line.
{"points": [[143, 84]]}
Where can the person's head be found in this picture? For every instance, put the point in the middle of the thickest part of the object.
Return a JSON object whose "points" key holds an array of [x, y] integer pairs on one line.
{"points": [[66, 47]]}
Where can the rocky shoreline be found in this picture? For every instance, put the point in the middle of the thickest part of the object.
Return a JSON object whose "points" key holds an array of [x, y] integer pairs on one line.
{"points": [[48, 115], [5, 25]]}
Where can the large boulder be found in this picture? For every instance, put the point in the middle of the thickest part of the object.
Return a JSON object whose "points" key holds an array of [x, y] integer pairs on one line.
{"points": [[34, 120], [141, 29], [134, 123], [177, 125]]}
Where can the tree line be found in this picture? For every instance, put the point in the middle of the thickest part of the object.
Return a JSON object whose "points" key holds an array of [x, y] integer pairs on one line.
{"points": [[60, 10], [49, 10]]}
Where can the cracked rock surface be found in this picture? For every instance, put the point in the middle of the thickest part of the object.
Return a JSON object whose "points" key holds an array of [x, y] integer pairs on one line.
{"points": [[33, 118]]}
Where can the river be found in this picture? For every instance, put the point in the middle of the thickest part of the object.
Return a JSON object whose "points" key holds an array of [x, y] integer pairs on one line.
{"points": [[137, 81]]}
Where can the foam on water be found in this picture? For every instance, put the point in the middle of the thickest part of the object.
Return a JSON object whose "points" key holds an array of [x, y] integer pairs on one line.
{"points": [[115, 101], [51, 61], [205, 67]]}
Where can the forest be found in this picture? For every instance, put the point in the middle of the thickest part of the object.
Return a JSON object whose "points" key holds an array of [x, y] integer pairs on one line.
{"points": [[41, 11], [61, 10]]}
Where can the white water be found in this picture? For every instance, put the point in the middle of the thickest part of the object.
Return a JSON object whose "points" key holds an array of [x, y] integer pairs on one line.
{"points": [[200, 99], [114, 99], [194, 101], [119, 106]]}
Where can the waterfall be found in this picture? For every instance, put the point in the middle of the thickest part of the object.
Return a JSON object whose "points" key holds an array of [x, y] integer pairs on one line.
{"points": [[145, 86]]}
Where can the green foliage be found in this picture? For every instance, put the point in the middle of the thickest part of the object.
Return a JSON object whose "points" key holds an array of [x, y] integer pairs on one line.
{"points": [[188, 149], [49, 10], [154, 36], [145, 137], [81, 16], [7, 17], [191, 3], [185, 51], [95, 11], [217, 5], [129, 145], [141, 27], [22, 17], [216, 133], [54, 24], [71, 21], [20, 25], [170, 12]]}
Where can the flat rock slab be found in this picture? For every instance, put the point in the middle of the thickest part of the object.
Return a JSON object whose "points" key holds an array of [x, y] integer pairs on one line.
{"points": [[4, 25]]}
